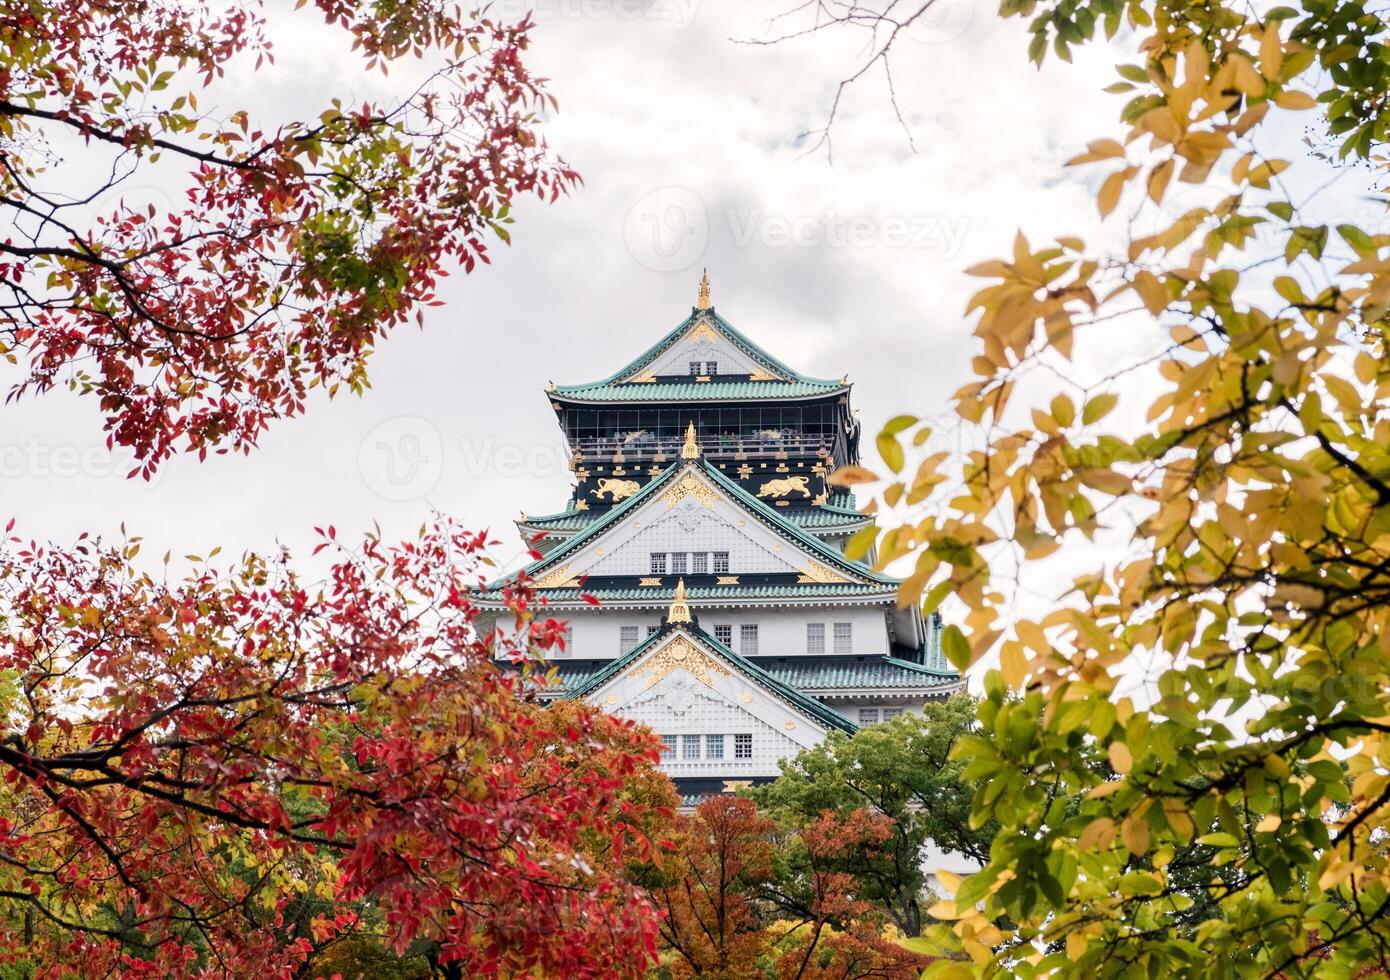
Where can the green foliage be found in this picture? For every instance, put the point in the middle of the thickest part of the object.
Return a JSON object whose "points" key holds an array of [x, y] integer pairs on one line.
{"points": [[903, 770], [1232, 818]]}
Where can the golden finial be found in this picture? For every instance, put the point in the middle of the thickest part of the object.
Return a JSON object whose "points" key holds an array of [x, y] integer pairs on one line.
{"points": [[680, 612], [702, 300], [691, 449]]}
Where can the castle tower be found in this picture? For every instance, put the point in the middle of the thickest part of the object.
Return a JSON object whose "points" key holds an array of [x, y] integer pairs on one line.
{"points": [[729, 618]]}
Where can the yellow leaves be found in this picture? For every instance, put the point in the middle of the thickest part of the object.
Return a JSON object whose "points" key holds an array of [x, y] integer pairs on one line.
{"points": [[1063, 411], [1271, 52], [1245, 77], [1175, 812], [848, 476], [1013, 664], [1262, 174], [1151, 291], [1111, 189], [1098, 835], [1295, 101], [1121, 760], [1160, 124], [1158, 180], [1134, 832], [1269, 823], [1106, 149]]}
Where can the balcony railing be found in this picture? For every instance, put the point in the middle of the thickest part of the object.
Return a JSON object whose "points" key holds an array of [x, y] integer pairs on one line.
{"points": [[641, 447]]}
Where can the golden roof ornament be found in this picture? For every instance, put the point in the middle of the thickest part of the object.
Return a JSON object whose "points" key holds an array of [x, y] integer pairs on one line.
{"points": [[680, 612], [702, 298], [691, 449]]}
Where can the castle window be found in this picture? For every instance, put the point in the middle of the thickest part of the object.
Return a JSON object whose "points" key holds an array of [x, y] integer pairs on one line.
{"points": [[711, 367], [721, 563], [699, 563], [725, 635], [743, 746], [815, 637], [668, 744], [652, 630], [868, 716], [627, 639], [844, 637], [690, 746], [678, 563], [694, 367], [568, 645], [714, 746], [891, 713], [658, 563], [748, 639]]}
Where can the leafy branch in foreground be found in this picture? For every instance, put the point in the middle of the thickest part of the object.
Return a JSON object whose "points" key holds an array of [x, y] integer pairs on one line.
{"points": [[298, 243], [1234, 478], [185, 763]]}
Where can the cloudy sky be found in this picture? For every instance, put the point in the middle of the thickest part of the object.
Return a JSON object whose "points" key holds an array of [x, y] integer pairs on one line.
{"points": [[690, 145]]}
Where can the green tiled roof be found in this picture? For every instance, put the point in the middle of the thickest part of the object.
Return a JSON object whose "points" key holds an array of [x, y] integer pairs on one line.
{"points": [[810, 590], [790, 384], [880, 672], [822, 517], [694, 391], [780, 688], [872, 674]]}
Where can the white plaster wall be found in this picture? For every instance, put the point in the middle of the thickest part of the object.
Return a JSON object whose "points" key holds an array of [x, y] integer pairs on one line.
{"points": [[781, 632]]}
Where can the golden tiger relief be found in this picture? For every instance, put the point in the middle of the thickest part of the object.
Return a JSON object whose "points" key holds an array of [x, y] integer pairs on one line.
{"points": [[783, 487], [616, 489]]}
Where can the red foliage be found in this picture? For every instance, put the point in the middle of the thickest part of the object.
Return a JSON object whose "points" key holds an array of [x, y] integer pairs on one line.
{"points": [[723, 854], [183, 757], [298, 244], [840, 937]]}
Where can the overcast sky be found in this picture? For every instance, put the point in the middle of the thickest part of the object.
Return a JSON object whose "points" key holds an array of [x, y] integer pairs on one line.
{"points": [[689, 146]]}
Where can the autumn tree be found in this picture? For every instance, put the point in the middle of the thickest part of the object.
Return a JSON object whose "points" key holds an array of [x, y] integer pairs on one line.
{"points": [[712, 924], [1220, 502], [903, 770], [827, 928], [746, 897], [294, 245], [188, 761]]}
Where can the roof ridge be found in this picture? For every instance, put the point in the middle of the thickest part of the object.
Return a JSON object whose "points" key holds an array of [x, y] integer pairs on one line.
{"points": [[804, 701], [732, 333]]}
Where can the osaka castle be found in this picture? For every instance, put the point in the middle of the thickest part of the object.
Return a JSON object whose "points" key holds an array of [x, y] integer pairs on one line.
{"points": [[729, 618]]}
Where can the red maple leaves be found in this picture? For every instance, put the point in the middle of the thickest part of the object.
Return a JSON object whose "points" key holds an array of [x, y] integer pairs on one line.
{"points": [[298, 245], [189, 763]]}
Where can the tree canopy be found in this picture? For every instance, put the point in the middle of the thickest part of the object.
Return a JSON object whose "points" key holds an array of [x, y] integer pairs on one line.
{"points": [[295, 245], [190, 766], [1243, 458]]}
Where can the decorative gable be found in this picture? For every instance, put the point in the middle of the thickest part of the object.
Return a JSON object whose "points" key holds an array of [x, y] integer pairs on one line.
{"points": [[683, 685], [690, 513], [703, 344]]}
